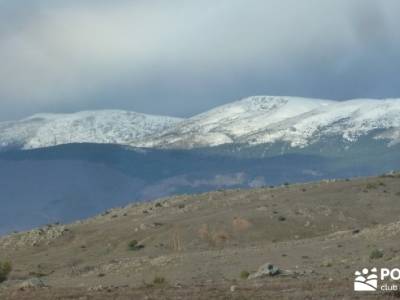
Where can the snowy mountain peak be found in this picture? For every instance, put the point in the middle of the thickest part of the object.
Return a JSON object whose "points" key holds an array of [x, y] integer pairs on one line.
{"points": [[299, 122], [263, 104], [268, 119], [103, 126]]}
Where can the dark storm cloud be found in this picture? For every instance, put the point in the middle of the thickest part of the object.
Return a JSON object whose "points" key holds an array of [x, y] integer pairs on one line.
{"points": [[182, 57]]}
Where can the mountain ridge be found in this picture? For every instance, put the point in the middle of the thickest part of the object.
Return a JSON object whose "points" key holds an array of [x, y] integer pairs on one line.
{"points": [[102, 126], [300, 122]]}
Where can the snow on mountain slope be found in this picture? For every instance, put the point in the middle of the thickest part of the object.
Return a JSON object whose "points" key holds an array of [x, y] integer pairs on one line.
{"points": [[105, 126], [348, 119], [268, 119], [256, 120]]}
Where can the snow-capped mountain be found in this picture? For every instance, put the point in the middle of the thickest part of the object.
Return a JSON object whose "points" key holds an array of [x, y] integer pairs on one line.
{"points": [[257, 141], [104, 126], [296, 121]]}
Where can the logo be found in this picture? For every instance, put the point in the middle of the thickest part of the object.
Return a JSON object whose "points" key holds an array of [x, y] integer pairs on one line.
{"points": [[370, 280], [366, 280]]}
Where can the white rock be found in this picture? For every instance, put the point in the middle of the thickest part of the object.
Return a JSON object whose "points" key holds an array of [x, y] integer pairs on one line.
{"points": [[265, 270]]}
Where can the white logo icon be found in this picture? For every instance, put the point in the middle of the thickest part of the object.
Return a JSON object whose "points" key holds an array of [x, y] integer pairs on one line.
{"points": [[366, 280]]}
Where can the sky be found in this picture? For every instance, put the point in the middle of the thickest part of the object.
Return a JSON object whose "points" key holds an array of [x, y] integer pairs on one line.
{"points": [[182, 57]]}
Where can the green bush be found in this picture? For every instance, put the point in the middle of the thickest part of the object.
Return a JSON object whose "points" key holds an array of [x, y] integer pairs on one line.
{"points": [[371, 186], [5, 270], [244, 274], [158, 280], [134, 245], [376, 254]]}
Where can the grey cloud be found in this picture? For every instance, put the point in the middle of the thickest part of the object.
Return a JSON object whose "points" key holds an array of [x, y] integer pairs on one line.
{"points": [[182, 57]]}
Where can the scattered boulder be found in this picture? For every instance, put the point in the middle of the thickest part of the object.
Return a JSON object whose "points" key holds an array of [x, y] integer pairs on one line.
{"points": [[95, 288], [327, 263], [267, 269], [32, 283], [35, 237], [134, 245]]}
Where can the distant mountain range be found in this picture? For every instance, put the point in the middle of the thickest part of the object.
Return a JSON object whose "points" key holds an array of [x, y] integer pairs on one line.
{"points": [[298, 122], [75, 181], [103, 127], [72, 166]]}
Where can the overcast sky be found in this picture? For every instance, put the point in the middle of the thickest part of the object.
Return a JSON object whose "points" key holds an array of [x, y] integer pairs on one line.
{"points": [[182, 57]]}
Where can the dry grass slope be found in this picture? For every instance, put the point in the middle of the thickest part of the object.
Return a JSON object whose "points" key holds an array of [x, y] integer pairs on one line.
{"points": [[205, 246]]}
